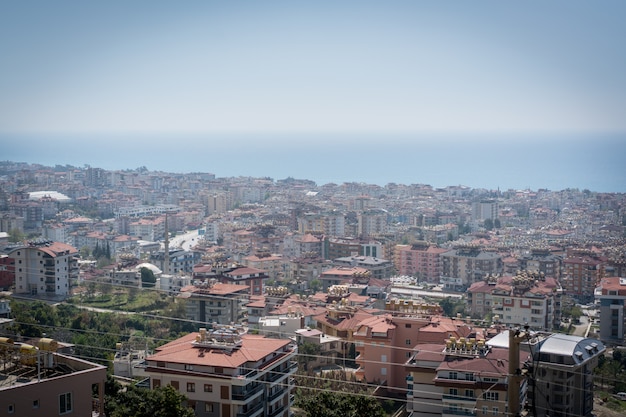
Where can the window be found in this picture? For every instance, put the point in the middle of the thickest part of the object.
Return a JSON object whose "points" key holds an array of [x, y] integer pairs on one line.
{"points": [[36, 404], [383, 371], [407, 342], [65, 403], [454, 391], [208, 388], [469, 393], [383, 358], [11, 407], [208, 407], [188, 367], [494, 411], [156, 383], [485, 410], [191, 387], [491, 396], [453, 375]]}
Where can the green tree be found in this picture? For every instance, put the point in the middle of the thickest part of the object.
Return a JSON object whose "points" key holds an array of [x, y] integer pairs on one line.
{"points": [[333, 404], [451, 306], [308, 352], [488, 224], [140, 402], [315, 285], [84, 252], [16, 235], [147, 277]]}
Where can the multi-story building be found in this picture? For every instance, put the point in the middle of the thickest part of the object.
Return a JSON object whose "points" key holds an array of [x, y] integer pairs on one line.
{"points": [[273, 264], [330, 224], [541, 260], [38, 381], [342, 274], [330, 352], [7, 272], [252, 278], [483, 210], [562, 382], [611, 294], [342, 247], [461, 377], [421, 260], [214, 302], [528, 297], [467, 264], [384, 343], [45, 268], [309, 244], [582, 272], [148, 228], [219, 203], [379, 268], [440, 233], [372, 223], [180, 261], [306, 268], [228, 374]]}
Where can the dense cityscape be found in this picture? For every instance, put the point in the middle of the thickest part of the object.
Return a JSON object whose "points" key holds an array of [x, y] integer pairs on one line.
{"points": [[415, 300]]}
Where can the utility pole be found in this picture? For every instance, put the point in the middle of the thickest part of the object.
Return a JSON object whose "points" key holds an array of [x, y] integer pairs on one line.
{"points": [[515, 373]]}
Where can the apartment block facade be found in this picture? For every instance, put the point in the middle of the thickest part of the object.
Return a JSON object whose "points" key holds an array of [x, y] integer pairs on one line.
{"points": [[611, 294], [228, 374], [421, 260], [45, 268], [527, 297]]}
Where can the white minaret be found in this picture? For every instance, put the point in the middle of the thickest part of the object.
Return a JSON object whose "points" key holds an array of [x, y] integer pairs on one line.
{"points": [[166, 254]]}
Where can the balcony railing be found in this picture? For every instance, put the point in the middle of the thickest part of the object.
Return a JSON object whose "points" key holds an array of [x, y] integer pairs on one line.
{"points": [[247, 394], [275, 395], [252, 411], [457, 412], [458, 398]]}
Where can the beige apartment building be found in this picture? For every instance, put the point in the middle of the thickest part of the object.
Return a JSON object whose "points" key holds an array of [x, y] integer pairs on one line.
{"points": [[225, 373], [463, 377], [527, 297]]}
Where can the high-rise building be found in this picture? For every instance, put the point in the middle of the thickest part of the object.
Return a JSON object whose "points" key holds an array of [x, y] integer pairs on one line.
{"points": [[485, 209], [611, 294]]}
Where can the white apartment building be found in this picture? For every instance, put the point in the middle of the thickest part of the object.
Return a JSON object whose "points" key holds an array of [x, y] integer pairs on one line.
{"points": [[45, 268], [228, 374]]}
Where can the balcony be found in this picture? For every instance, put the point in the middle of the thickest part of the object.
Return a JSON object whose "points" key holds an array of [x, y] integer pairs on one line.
{"points": [[457, 412], [275, 395], [459, 398], [246, 395], [277, 411], [255, 410]]}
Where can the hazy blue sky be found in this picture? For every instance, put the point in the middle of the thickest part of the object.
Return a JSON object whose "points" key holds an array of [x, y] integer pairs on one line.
{"points": [[316, 66]]}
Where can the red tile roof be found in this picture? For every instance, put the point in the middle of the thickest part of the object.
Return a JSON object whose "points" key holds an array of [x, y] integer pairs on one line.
{"points": [[253, 349]]}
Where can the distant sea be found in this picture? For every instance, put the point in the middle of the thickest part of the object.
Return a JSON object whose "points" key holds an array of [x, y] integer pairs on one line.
{"points": [[596, 162]]}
